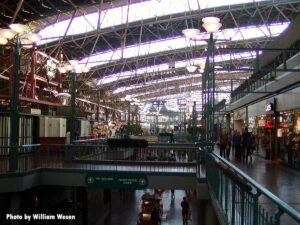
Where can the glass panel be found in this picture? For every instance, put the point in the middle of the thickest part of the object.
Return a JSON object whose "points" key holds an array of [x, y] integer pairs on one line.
{"points": [[118, 15]]}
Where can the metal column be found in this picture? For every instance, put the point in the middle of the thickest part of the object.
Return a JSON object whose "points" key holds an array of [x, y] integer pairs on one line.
{"points": [[208, 96], [73, 97], [14, 109]]}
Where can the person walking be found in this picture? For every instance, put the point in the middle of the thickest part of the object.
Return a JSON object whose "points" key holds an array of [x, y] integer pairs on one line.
{"points": [[155, 215], [246, 144], [237, 144], [223, 141], [185, 211], [228, 146], [172, 194]]}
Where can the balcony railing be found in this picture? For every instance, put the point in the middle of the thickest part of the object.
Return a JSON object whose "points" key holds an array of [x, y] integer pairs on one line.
{"points": [[100, 156], [243, 201]]}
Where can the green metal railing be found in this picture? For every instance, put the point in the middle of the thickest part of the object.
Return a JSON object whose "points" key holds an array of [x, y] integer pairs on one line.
{"points": [[27, 158], [102, 157], [91, 156], [91, 141], [242, 199]]}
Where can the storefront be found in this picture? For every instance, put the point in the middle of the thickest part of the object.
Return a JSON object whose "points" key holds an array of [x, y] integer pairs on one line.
{"points": [[261, 121], [240, 120], [275, 122], [288, 131], [289, 135]]}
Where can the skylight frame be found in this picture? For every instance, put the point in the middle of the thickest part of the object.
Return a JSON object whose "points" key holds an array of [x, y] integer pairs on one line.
{"points": [[178, 64], [89, 22], [179, 42]]}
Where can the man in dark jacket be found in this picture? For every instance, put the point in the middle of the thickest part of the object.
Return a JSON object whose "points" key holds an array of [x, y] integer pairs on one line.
{"points": [[185, 211], [246, 140]]}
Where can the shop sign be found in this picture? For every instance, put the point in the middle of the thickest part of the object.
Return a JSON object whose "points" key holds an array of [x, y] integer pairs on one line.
{"points": [[116, 180], [270, 107]]}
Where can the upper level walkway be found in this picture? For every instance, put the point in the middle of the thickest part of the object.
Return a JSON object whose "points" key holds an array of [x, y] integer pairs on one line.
{"points": [[281, 180]]}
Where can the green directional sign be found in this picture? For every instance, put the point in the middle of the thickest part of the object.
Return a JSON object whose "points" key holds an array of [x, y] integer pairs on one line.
{"points": [[116, 180]]}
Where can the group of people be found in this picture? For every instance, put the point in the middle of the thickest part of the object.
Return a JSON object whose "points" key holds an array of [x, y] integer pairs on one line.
{"points": [[156, 212], [243, 145]]}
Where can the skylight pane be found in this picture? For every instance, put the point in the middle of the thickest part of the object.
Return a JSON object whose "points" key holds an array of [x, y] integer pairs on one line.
{"points": [[178, 64], [113, 17], [118, 15], [205, 4], [83, 24], [224, 87], [149, 83], [245, 33]]}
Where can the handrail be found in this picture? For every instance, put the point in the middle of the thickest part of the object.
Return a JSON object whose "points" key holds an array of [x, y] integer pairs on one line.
{"points": [[135, 162], [90, 140], [31, 145], [283, 205], [173, 147]]}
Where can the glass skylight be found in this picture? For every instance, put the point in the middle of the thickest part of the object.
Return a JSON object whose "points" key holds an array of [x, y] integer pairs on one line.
{"points": [[244, 33], [221, 85], [165, 67], [112, 17], [146, 84], [167, 89]]}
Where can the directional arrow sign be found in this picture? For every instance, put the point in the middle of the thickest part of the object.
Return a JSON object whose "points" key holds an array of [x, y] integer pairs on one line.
{"points": [[116, 180]]}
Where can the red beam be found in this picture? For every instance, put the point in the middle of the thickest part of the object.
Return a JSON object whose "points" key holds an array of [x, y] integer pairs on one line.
{"points": [[32, 74], [25, 99]]}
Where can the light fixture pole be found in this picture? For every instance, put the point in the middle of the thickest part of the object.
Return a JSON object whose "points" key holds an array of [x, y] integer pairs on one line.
{"points": [[208, 94], [211, 25], [74, 69], [18, 34]]}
